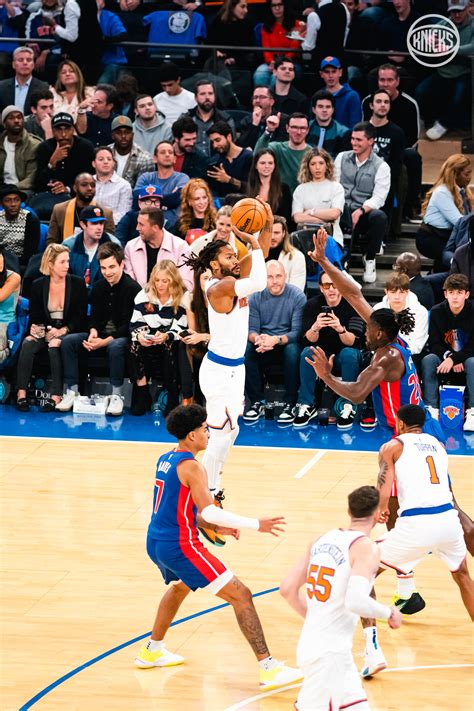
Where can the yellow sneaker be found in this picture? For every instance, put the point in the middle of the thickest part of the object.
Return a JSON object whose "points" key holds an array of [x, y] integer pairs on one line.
{"points": [[160, 658], [280, 675]]}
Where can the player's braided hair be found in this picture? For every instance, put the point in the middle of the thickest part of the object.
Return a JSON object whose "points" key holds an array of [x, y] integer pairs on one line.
{"points": [[392, 323], [202, 261]]}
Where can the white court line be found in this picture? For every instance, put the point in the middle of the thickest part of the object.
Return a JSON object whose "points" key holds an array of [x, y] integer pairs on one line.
{"points": [[245, 702], [319, 455]]}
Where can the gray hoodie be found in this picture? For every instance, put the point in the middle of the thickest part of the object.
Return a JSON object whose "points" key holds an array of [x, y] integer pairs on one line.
{"points": [[148, 138]]}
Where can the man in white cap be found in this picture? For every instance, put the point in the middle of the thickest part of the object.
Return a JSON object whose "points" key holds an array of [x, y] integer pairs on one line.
{"points": [[18, 161]]}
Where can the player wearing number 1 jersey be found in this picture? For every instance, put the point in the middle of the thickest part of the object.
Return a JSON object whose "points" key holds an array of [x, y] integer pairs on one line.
{"points": [[337, 573]]}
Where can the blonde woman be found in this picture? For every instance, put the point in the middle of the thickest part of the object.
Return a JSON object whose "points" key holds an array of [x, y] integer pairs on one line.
{"points": [[222, 232], [448, 200], [70, 89], [318, 197], [58, 306], [158, 319], [197, 208], [282, 250]]}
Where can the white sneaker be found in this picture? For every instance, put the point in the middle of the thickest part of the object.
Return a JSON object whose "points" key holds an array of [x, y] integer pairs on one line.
{"points": [[115, 406], [469, 421], [161, 658], [370, 275], [67, 402], [436, 131], [434, 412], [374, 662], [280, 675]]}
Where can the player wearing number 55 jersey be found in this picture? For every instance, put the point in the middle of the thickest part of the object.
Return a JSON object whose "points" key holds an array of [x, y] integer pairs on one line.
{"points": [[337, 573]]}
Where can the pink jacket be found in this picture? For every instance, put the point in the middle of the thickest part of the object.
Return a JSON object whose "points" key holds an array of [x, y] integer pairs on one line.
{"points": [[173, 248]]}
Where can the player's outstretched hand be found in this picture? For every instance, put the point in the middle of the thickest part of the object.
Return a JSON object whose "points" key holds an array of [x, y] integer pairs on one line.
{"points": [[319, 240], [395, 619], [224, 531], [272, 525], [320, 363]]}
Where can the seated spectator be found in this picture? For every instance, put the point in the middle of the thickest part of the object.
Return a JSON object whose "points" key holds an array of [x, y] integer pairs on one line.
{"points": [[279, 22], [229, 167], [189, 159], [168, 179], [113, 31], [410, 264], [197, 214], [65, 220], [9, 292], [51, 19], [348, 110], [8, 30], [84, 245], [127, 91], [150, 126], [399, 297], [18, 151], [253, 126], [288, 153], [324, 131], [389, 139], [159, 316], [173, 101], [231, 27], [445, 203], [330, 323], [452, 81], [366, 181], [112, 191], [288, 100], [58, 305], [60, 160], [223, 233], [332, 30], [112, 304], [205, 114], [70, 89], [451, 345], [318, 197], [95, 115], [131, 160], [155, 244], [19, 228], [284, 252], [198, 328], [274, 337], [463, 262], [17, 91], [38, 123], [392, 33], [147, 196], [264, 180]]}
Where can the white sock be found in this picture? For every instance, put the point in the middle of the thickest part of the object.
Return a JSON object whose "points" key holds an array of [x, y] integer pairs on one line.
{"points": [[406, 586], [155, 646], [74, 388], [117, 390], [370, 634], [267, 663]]}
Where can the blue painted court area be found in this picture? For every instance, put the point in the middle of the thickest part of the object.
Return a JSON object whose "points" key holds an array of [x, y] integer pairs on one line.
{"points": [[151, 427]]}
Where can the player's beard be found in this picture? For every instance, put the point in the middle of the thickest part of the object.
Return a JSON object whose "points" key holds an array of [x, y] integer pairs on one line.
{"points": [[230, 272]]}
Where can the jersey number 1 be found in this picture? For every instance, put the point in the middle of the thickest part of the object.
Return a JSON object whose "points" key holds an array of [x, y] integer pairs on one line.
{"points": [[160, 486], [317, 583], [434, 478]]}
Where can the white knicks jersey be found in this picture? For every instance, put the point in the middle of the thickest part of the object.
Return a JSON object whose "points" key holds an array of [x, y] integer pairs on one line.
{"points": [[421, 473], [229, 332], [329, 625]]}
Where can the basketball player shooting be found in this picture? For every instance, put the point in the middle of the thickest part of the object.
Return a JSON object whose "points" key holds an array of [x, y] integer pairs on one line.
{"points": [[222, 373]]}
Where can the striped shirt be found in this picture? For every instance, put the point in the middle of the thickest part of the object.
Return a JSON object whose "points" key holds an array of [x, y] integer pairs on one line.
{"points": [[152, 318]]}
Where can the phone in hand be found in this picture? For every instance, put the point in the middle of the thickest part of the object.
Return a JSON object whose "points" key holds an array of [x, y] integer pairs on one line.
{"points": [[149, 337], [184, 333], [326, 310]]}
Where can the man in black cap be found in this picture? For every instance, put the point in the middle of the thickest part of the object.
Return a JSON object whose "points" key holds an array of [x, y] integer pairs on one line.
{"points": [[83, 246], [19, 228], [60, 159], [131, 160]]}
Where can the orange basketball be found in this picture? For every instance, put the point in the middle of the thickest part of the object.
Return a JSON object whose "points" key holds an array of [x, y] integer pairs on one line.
{"points": [[248, 215]]}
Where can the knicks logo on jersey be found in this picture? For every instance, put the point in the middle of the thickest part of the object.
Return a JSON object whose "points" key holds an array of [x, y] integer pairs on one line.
{"points": [[451, 411], [243, 302]]}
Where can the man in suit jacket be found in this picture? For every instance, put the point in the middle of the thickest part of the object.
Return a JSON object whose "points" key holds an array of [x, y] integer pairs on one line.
{"points": [[65, 216], [18, 89]]}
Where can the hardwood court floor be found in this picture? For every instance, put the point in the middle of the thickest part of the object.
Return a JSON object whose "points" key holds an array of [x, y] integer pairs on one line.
{"points": [[76, 582]]}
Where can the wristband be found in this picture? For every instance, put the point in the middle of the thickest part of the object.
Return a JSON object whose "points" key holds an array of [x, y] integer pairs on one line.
{"points": [[81, 111], [344, 330]]}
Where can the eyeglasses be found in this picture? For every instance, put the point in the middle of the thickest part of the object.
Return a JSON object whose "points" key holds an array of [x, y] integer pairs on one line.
{"points": [[150, 201], [326, 285]]}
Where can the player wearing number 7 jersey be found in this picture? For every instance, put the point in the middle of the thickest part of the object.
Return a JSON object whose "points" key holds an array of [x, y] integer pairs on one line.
{"points": [[337, 571]]}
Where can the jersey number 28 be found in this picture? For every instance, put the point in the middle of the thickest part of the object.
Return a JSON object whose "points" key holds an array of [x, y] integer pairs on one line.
{"points": [[318, 584]]}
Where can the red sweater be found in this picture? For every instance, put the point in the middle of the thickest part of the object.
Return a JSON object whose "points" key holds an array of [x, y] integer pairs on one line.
{"points": [[277, 38]]}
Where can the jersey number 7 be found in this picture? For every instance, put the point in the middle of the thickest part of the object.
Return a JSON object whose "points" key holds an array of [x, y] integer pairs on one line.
{"points": [[317, 583], [160, 484]]}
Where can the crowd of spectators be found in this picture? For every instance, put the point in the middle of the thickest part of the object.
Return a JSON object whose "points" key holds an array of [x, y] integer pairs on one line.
{"points": [[118, 163]]}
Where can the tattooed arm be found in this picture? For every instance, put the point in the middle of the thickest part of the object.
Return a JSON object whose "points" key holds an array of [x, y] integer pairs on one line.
{"points": [[388, 455]]}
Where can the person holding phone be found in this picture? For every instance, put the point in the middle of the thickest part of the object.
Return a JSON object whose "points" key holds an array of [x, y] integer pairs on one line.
{"points": [[330, 322]]}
